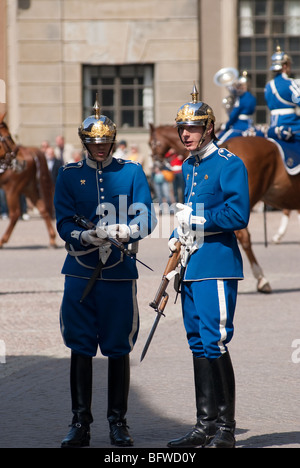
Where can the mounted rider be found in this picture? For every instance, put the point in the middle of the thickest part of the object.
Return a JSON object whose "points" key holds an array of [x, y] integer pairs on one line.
{"points": [[242, 110], [282, 95]]}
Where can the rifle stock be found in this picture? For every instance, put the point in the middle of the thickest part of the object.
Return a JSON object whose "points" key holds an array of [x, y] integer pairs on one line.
{"points": [[161, 297]]}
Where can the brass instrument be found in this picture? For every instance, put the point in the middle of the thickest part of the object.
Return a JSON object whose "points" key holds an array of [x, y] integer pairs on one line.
{"points": [[227, 77]]}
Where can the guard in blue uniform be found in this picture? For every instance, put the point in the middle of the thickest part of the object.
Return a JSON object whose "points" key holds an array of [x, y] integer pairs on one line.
{"points": [[114, 195], [216, 204], [241, 116], [282, 95]]}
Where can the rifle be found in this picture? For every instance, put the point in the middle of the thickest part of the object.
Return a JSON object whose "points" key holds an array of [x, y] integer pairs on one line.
{"points": [[161, 298], [85, 223]]}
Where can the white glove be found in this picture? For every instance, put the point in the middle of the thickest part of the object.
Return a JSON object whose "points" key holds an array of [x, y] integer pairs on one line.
{"points": [[171, 244], [284, 133], [295, 89], [184, 215], [186, 219], [121, 232], [91, 237], [101, 232]]}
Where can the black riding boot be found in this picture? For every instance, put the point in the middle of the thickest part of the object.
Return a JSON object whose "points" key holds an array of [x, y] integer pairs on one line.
{"points": [[205, 429], [224, 381], [81, 376], [118, 389]]}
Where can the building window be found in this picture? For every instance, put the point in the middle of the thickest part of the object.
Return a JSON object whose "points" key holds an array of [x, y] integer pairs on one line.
{"points": [[264, 24], [125, 93]]}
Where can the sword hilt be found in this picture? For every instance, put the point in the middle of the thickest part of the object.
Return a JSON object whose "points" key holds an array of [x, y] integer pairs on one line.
{"points": [[163, 304]]}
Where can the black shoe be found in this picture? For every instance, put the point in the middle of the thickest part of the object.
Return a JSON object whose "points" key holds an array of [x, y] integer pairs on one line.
{"points": [[224, 438], [195, 438], [78, 436], [119, 434]]}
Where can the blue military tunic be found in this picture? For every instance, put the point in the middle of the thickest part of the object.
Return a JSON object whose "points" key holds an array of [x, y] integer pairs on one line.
{"points": [[282, 96], [115, 192], [217, 182], [240, 118], [112, 192], [220, 182]]}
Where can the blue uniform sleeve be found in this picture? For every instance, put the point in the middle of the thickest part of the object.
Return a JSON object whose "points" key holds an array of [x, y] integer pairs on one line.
{"points": [[233, 117], [141, 211], [235, 212], [246, 105], [64, 202]]}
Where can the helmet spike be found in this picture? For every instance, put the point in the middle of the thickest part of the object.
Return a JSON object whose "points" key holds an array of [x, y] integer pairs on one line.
{"points": [[195, 95], [97, 108]]}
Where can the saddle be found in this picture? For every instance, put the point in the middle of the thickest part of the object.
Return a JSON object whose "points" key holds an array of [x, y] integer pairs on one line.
{"points": [[289, 150]]}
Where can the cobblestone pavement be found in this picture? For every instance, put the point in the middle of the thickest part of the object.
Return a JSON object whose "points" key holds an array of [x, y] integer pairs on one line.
{"points": [[34, 380]]}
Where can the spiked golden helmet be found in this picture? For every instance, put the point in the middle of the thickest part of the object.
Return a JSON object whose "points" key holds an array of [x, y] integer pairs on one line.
{"points": [[97, 128], [195, 112]]}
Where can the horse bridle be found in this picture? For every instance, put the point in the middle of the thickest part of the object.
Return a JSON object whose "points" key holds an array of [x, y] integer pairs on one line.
{"points": [[154, 144], [8, 160]]}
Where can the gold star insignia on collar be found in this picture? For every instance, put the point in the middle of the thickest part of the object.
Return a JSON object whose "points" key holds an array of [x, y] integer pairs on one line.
{"points": [[82, 182], [206, 177]]}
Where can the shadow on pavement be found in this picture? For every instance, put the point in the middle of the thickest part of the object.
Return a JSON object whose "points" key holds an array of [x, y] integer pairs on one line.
{"points": [[35, 407]]}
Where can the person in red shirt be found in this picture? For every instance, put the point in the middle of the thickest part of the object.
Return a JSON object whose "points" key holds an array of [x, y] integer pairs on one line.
{"points": [[176, 161]]}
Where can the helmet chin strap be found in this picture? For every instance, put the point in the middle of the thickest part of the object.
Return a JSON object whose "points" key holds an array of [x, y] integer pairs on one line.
{"points": [[90, 156], [203, 136]]}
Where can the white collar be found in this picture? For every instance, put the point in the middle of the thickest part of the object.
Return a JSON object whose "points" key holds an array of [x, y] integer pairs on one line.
{"points": [[96, 164], [207, 150]]}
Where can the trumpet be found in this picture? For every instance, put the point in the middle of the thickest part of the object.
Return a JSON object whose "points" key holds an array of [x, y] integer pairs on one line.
{"points": [[227, 77]]}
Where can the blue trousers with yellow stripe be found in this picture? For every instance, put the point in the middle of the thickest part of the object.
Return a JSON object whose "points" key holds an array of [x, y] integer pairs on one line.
{"points": [[108, 317], [208, 308]]}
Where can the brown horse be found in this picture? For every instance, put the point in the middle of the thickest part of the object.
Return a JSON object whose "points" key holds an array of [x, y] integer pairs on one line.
{"points": [[268, 180], [24, 170]]}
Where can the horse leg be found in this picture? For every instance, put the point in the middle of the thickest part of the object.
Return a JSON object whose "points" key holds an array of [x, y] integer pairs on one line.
{"points": [[245, 240], [14, 210], [282, 227], [39, 203]]}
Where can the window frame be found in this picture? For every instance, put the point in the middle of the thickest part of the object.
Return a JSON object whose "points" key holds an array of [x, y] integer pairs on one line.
{"points": [[260, 76], [138, 91]]}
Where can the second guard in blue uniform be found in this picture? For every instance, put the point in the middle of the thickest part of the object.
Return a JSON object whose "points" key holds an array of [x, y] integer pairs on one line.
{"points": [[216, 203]]}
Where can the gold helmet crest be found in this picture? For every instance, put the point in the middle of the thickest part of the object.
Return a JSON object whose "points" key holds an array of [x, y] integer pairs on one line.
{"points": [[97, 128]]}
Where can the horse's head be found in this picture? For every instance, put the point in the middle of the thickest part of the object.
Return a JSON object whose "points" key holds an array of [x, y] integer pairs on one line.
{"points": [[158, 144], [8, 148], [162, 139]]}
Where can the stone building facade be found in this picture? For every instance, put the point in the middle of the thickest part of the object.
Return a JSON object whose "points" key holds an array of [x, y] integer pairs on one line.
{"points": [[45, 45]]}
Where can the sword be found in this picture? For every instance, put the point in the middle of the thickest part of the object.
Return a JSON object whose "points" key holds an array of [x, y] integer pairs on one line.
{"points": [[158, 317], [160, 301]]}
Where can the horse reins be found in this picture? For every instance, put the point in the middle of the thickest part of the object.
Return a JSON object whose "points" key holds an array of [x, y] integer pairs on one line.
{"points": [[10, 153]]}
